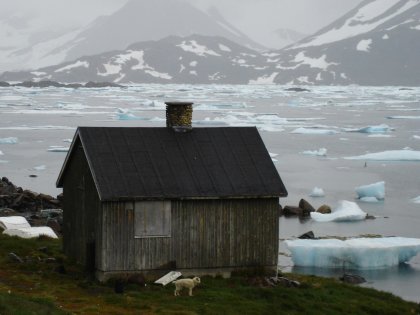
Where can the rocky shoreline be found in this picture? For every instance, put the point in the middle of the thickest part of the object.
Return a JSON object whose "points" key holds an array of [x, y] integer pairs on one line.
{"points": [[49, 83], [39, 209]]}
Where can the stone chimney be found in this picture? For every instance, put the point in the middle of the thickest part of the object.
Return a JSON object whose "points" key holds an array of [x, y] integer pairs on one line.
{"points": [[179, 116]]}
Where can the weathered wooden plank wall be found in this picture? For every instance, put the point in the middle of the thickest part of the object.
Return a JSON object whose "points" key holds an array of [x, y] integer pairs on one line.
{"points": [[81, 216], [205, 234]]}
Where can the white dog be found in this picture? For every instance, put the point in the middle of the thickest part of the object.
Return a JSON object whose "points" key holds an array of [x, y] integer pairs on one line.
{"points": [[186, 283]]}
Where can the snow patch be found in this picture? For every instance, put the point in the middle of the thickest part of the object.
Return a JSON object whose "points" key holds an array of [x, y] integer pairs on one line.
{"points": [[266, 79], [77, 64], [193, 47], [224, 48], [320, 62], [31, 232]]}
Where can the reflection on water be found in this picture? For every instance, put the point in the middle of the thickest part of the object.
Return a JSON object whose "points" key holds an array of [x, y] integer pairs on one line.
{"points": [[402, 280]]}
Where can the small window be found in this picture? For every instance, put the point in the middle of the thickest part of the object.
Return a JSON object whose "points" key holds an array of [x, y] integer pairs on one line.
{"points": [[152, 219]]}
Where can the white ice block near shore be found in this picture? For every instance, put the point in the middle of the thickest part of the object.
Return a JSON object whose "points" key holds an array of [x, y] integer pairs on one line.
{"points": [[31, 232], [346, 211], [376, 190], [13, 222], [358, 253]]}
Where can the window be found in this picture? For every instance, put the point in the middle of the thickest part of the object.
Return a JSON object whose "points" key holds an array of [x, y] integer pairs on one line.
{"points": [[152, 219]]}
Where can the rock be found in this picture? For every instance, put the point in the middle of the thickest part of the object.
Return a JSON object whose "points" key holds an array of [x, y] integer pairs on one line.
{"points": [[52, 223], [370, 217], [7, 212], [287, 282], [294, 211], [33, 175], [308, 235], [306, 206], [91, 84], [40, 84], [352, 279], [15, 258], [4, 84], [297, 89], [325, 209]]}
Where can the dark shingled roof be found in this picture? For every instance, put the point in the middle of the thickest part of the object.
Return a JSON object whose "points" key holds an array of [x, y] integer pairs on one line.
{"points": [[158, 163]]}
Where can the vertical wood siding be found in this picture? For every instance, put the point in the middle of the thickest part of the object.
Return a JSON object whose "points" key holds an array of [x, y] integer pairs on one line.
{"points": [[205, 234]]}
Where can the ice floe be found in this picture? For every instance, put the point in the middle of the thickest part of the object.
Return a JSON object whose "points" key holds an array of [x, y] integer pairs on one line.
{"points": [[392, 155], [40, 168], [346, 211], [317, 192], [31, 232], [126, 114], [375, 190], [314, 131], [9, 140], [13, 222], [403, 117], [357, 253], [58, 148], [416, 200], [319, 152], [1, 153], [371, 129]]}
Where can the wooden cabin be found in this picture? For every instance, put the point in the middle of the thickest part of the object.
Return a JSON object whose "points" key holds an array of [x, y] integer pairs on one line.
{"points": [[150, 200]]}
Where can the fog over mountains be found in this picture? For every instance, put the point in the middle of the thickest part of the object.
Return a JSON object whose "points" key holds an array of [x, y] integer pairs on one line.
{"points": [[376, 43]]}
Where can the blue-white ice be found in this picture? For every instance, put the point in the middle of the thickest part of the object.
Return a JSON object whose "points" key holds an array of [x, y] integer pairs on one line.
{"points": [[319, 152], [392, 155], [416, 200], [9, 140], [358, 253], [314, 131], [375, 190], [317, 192], [346, 211], [372, 129], [125, 114]]}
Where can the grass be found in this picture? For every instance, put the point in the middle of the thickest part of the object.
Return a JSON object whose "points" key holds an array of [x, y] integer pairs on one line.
{"points": [[39, 286]]}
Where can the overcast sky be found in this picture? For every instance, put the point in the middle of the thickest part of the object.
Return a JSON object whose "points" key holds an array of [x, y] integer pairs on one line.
{"points": [[253, 17]]}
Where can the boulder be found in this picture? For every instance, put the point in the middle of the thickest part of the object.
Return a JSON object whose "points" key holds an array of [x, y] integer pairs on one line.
{"points": [[308, 235], [297, 89], [4, 84], [294, 211], [352, 279], [324, 209], [306, 206]]}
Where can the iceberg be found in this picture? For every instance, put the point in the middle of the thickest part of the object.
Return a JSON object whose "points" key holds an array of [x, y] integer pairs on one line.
{"points": [[392, 155], [31, 232], [10, 140], [357, 253], [346, 211], [416, 200], [320, 152], [317, 192], [376, 190], [57, 148], [13, 222]]}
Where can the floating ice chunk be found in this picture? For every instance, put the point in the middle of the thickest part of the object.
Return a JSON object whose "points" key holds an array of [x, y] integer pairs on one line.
{"points": [[40, 168], [31, 232], [13, 222], [416, 137], [369, 199], [358, 253], [314, 131], [10, 140], [392, 155], [317, 192], [57, 148], [346, 211], [68, 140], [372, 129], [320, 152], [379, 135], [376, 190], [403, 117], [125, 114], [1, 153], [416, 200]]}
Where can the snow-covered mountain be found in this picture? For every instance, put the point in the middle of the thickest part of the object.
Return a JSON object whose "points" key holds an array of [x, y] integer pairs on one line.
{"points": [[26, 47], [284, 37], [192, 59], [377, 43]]}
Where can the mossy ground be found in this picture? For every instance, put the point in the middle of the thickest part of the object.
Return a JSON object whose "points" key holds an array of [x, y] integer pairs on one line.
{"points": [[39, 287]]}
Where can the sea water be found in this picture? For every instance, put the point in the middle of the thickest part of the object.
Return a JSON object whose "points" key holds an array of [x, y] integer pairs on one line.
{"points": [[341, 122]]}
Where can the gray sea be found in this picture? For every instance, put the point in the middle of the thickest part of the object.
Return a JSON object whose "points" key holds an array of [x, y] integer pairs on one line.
{"points": [[37, 125]]}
